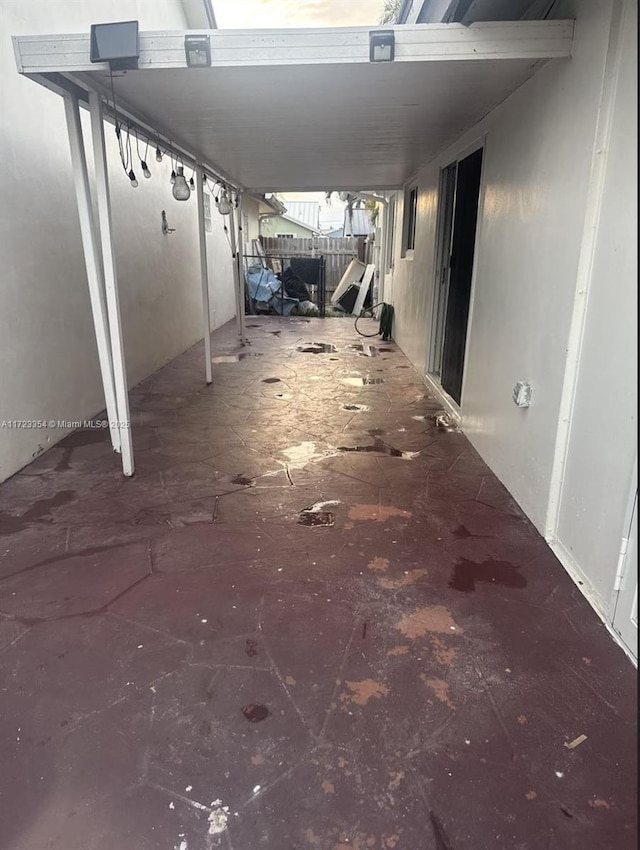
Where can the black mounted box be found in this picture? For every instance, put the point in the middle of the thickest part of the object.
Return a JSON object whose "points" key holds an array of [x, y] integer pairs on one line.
{"points": [[118, 44]]}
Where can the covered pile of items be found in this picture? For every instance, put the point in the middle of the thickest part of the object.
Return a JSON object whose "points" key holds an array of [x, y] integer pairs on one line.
{"points": [[287, 292]]}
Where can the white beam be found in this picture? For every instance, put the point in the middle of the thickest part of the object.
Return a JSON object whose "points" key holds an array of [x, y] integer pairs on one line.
{"points": [[533, 40], [238, 276], [92, 263], [111, 282], [240, 263], [204, 273]]}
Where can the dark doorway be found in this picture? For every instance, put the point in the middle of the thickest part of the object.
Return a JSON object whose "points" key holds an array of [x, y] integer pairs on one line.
{"points": [[460, 232]]}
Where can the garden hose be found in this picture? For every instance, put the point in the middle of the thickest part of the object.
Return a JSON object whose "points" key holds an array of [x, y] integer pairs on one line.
{"points": [[386, 320]]}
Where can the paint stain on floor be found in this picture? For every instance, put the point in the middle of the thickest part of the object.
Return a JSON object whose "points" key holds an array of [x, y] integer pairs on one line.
{"points": [[377, 513], [378, 564], [362, 692], [443, 654], [379, 447], [410, 577], [466, 573], [398, 650], [440, 689], [431, 619], [256, 713], [317, 348]]}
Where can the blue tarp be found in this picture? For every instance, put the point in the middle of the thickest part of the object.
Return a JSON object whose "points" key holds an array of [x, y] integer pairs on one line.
{"points": [[262, 283], [264, 286]]}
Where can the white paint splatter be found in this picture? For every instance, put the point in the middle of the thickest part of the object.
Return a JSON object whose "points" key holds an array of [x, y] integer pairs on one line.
{"points": [[559, 774], [189, 788], [318, 507], [218, 818], [257, 788]]}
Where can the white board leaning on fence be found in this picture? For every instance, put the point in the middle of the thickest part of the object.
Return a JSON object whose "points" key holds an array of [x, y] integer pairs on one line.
{"points": [[353, 274], [367, 277]]}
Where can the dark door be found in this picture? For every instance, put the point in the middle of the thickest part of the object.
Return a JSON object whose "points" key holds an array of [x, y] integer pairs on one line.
{"points": [[461, 268]]}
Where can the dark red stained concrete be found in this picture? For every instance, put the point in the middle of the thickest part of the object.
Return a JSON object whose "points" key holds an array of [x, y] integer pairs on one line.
{"points": [[402, 679]]}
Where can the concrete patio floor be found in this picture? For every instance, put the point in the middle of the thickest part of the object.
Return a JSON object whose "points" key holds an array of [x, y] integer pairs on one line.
{"points": [[313, 620]]}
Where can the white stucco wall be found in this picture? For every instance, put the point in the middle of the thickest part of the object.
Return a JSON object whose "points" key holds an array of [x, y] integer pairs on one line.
{"points": [[537, 163], [603, 438], [48, 360], [250, 221]]}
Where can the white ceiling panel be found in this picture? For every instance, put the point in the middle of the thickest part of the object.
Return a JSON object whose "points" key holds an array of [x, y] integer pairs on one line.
{"points": [[330, 126]]}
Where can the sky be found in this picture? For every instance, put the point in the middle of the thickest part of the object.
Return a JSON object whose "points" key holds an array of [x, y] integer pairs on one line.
{"points": [[256, 14]]}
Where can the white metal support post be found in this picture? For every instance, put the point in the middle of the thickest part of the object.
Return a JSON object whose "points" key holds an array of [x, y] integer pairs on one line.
{"points": [[111, 282], [204, 275], [240, 263], [237, 277], [92, 262]]}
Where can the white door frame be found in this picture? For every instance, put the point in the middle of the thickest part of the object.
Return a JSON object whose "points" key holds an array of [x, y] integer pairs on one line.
{"points": [[624, 619]]}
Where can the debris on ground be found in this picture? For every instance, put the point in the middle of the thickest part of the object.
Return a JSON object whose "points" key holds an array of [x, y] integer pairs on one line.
{"points": [[571, 745], [445, 422]]}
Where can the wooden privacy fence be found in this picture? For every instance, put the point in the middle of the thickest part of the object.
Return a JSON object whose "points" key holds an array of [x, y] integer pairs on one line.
{"points": [[338, 253]]}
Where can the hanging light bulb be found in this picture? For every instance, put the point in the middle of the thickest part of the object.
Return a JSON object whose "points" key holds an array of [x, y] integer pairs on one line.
{"points": [[181, 190], [192, 185], [224, 205], [145, 169], [132, 178], [173, 177], [158, 154]]}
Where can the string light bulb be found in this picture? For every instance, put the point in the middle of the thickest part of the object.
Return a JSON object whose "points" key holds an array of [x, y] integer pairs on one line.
{"points": [[224, 205], [192, 185], [158, 154], [132, 178], [173, 177], [145, 169], [181, 190]]}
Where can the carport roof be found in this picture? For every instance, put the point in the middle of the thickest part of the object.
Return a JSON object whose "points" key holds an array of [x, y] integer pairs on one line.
{"points": [[304, 110]]}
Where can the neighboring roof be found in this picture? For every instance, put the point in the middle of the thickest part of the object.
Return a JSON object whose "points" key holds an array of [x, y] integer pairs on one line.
{"points": [[336, 233], [358, 224], [297, 221], [304, 212], [271, 201], [286, 217]]}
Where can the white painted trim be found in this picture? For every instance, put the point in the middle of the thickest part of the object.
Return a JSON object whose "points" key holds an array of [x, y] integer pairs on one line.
{"points": [[588, 245], [492, 40], [443, 397], [482, 145], [93, 263], [586, 588], [204, 274], [111, 282]]}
